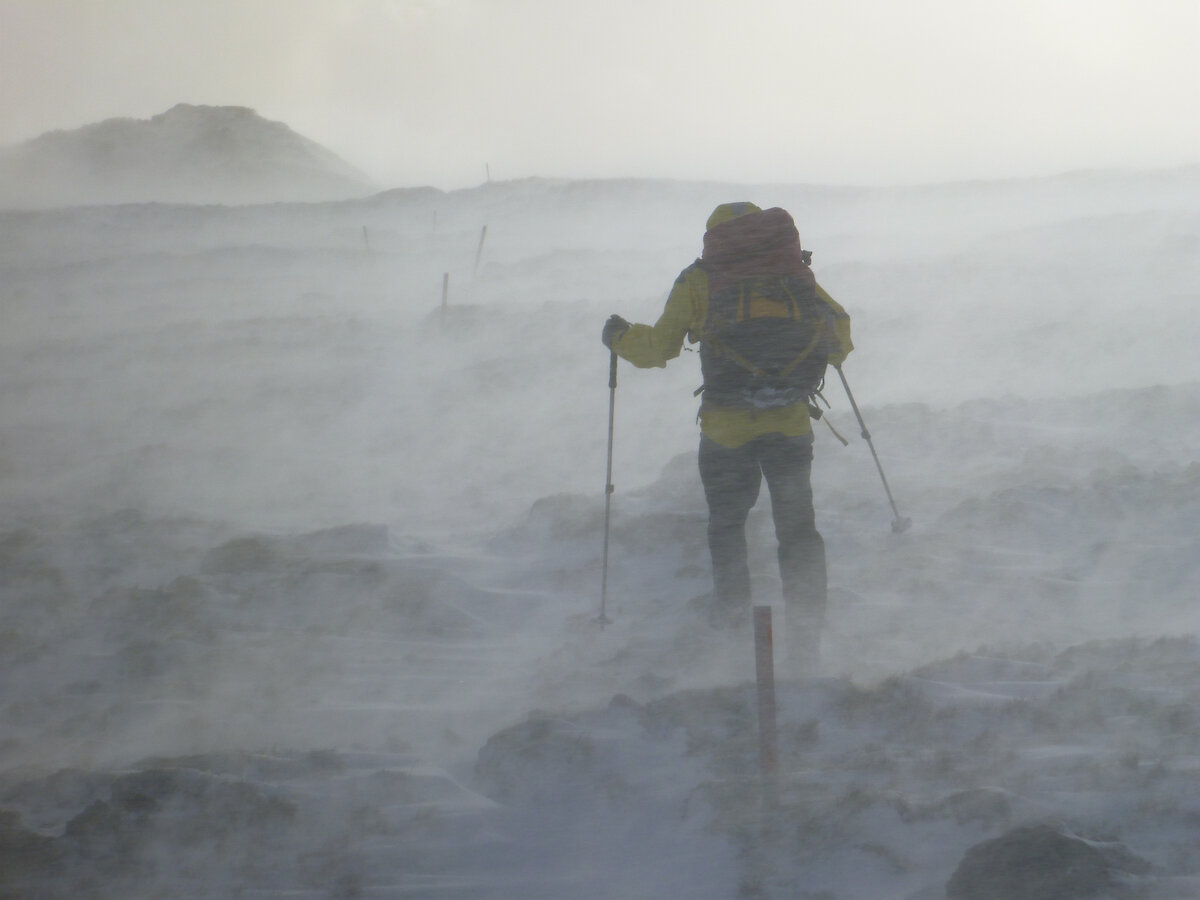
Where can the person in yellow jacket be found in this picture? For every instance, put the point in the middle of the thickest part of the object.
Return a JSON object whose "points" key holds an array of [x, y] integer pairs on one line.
{"points": [[744, 301]]}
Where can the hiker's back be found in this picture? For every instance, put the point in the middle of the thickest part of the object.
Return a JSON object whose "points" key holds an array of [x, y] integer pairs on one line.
{"points": [[766, 337]]}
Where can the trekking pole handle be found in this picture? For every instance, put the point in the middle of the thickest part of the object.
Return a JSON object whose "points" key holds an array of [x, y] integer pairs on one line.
{"points": [[612, 400], [603, 618]]}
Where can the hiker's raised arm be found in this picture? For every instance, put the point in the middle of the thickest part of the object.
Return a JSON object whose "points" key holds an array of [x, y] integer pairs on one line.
{"points": [[649, 346]]}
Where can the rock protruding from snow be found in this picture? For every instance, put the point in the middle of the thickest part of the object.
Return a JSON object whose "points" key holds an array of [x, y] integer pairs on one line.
{"points": [[1041, 863], [188, 154]]}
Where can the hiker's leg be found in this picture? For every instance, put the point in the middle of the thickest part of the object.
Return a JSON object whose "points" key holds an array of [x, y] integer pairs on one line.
{"points": [[787, 466], [731, 479]]}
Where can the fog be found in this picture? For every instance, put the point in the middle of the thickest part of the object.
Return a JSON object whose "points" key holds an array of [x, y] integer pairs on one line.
{"points": [[303, 513], [434, 91]]}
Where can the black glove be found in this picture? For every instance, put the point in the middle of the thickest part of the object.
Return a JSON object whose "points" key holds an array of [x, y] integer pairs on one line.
{"points": [[613, 329]]}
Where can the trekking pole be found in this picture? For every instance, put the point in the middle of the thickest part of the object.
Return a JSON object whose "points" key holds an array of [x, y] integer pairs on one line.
{"points": [[900, 524], [608, 485]]}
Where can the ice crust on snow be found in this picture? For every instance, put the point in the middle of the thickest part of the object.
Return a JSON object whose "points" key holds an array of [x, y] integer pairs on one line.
{"points": [[299, 569]]}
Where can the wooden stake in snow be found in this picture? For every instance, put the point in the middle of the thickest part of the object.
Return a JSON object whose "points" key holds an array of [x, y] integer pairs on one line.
{"points": [[768, 738], [445, 295], [366, 239], [479, 251]]}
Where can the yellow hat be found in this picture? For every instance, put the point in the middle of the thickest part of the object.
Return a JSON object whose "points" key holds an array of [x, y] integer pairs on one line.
{"points": [[727, 211]]}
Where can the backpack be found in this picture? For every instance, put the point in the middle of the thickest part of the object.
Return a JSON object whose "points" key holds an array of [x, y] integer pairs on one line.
{"points": [[766, 337]]}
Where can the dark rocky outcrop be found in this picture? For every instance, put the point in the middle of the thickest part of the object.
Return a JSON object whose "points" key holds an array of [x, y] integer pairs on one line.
{"points": [[1041, 863]]}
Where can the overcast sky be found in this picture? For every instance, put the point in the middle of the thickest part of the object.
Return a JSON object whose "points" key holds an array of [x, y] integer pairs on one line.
{"points": [[838, 91]]}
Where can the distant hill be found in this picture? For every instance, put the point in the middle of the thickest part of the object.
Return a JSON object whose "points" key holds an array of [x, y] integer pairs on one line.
{"points": [[188, 154]]}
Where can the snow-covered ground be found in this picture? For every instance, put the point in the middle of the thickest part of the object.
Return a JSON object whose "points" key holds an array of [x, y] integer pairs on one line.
{"points": [[298, 566]]}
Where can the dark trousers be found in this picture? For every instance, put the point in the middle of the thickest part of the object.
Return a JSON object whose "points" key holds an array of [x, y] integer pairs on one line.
{"points": [[731, 478]]}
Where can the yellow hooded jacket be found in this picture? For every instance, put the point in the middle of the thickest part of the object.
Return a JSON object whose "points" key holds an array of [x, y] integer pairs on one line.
{"points": [[684, 315]]}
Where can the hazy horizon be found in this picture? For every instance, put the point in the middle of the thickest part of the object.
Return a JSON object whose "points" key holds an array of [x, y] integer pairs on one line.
{"points": [[448, 94]]}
